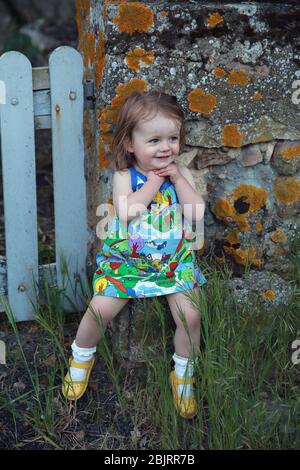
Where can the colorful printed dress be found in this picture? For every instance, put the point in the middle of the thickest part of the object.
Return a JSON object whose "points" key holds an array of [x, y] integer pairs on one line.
{"points": [[152, 256]]}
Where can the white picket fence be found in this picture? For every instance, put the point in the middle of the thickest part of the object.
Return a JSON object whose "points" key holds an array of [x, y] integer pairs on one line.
{"points": [[46, 97]]}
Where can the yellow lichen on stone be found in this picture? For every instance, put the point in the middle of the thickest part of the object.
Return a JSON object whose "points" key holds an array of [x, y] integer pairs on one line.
{"points": [[233, 237], [215, 19], [287, 189], [291, 152], [82, 11], [100, 59], [136, 56], [256, 197], [231, 136], [278, 236], [242, 222], [223, 209], [244, 257], [88, 49], [238, 77], [164, 13], [219, 72], [201, 102], [268, 295], [258, 226], [257, 96], [134, 17]]}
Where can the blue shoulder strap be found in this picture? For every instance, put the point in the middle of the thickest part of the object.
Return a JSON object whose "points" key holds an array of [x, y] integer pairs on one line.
{"points": [[137, 178]]}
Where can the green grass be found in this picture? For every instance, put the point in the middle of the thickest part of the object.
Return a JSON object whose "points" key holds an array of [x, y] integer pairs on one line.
{"points": [[247, 386]]}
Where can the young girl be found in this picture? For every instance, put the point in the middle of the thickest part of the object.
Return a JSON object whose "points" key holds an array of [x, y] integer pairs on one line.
{"points": [[152, 256]]}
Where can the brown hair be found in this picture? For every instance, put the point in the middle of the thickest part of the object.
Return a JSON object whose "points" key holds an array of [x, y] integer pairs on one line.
{"points": [[136, 107]]}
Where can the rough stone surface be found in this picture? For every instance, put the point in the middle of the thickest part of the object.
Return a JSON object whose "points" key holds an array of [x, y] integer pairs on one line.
{"points": [[286, 157], [254, 289]]}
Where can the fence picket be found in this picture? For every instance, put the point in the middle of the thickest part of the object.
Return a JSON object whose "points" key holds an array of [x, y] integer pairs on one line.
{"points": [[71, 233], [18, 164]]}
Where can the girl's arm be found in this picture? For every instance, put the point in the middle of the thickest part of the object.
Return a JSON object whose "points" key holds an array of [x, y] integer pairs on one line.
{"points": [[192, 203]]}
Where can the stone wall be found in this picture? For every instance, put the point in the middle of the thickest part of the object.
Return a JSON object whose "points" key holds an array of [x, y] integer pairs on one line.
{"points": [[235, 68]]}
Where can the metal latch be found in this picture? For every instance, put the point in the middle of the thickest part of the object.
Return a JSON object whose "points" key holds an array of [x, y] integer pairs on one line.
{"points": [[89, 93]]}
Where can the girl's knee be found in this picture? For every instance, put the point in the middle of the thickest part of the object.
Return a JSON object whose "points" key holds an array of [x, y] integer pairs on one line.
{"points": [[192, 320]]}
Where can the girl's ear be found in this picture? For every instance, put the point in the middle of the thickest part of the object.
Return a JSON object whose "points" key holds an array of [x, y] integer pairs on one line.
{"points": [[128, 144]]}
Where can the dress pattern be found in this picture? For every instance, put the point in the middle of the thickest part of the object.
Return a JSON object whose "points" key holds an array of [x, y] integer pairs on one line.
{"points": [[152, 256]]}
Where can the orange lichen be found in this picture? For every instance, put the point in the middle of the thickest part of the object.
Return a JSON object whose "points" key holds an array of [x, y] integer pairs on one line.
{"points": [[215, 19], [88, 49], [164, 13], [255, 197], [287, 189], [268, 295], [103, 161], [291, 152], [138, 55], [89, 134], [258, 226], [134, 17], [233, 237], [244, 257], [219, 72], [257, 96], [201, 102], [231, 136], [82, 11], [278, 236], [223, 209], [242, 222], [110, 113], [238, 77], [100, 59], [257, 262]]}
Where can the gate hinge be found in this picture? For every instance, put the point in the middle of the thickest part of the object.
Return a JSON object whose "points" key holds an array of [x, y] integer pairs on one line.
{"points": [[89, 93]]}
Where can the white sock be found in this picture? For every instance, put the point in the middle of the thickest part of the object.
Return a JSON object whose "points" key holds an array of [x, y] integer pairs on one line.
{"points": [[80, 355], [184, 368]]}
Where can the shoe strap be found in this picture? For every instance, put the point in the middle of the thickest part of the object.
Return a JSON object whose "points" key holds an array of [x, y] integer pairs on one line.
{"points": [[80, 365], [185, 381]]}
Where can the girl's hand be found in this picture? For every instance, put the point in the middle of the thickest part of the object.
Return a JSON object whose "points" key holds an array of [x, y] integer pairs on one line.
{"points": [[155, 178], [171, 171]]}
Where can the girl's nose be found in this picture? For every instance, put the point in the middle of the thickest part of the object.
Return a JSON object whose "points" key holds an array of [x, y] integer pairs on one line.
{"points": [[164, 147]]}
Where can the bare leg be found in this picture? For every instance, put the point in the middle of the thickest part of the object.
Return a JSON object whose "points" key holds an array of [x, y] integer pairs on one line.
{"points": [[100, 312], [188, 322]]}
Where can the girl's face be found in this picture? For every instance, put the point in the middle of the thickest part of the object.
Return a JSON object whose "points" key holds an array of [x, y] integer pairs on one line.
{"points": [[155, 142]]}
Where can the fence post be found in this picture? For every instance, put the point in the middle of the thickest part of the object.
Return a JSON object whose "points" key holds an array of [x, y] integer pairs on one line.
{"points": [[66, 83], [19, 183]]}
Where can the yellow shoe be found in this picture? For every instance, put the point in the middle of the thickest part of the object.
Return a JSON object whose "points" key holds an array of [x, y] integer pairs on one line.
{"points": [[186, 406], [74, 389]]}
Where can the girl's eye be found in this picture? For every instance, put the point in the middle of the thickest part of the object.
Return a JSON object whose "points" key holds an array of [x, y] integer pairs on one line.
{"points": [[153, 140], [174, 138]]}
